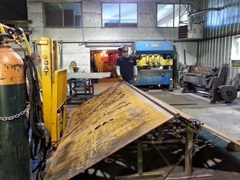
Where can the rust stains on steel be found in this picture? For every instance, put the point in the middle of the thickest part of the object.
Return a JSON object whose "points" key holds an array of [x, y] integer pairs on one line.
{"points": [[156, 101], [11, 67], [102, 126], [107, 123]]}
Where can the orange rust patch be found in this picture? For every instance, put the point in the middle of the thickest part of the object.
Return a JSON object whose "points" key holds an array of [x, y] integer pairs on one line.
{"points": [[11, 67], [11, 74]]}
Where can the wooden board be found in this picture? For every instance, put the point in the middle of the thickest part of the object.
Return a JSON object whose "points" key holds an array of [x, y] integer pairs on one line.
{"points": [[102, 126]]}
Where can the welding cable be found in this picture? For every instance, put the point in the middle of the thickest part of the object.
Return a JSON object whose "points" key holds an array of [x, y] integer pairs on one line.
{"points": [[63, 137], [36, 109], [190, 150], [37, 145]]}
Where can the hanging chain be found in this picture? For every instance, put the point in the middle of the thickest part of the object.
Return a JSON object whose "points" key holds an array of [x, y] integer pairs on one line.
{"points": [[16, 116]]}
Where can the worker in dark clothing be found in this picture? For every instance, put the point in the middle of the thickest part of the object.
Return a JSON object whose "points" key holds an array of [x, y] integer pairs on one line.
{"points": [[93, 64], [126, 66]]}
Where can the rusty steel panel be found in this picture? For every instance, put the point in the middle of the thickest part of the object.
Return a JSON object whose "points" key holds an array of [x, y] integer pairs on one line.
{"points": [[103, 125]]}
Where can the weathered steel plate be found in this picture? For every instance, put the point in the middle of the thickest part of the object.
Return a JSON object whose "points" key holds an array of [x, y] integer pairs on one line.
{"points": [[101, 126]]}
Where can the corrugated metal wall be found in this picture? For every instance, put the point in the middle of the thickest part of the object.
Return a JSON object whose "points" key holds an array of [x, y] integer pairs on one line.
{"points": [[191, 52], [217, 51]]}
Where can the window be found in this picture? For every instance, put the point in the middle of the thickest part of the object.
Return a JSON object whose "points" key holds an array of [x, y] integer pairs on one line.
{"points": [[119, 15], [63, 15], [235, 48], [235, 55], [171, 15], [165, 15], [181, 14]]}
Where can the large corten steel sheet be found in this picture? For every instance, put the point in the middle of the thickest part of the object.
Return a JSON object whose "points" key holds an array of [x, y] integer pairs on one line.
{"points": [[101, 126]]}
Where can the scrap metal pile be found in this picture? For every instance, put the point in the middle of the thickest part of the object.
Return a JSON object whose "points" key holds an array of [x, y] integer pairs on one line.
{"points": [[212, 80]]}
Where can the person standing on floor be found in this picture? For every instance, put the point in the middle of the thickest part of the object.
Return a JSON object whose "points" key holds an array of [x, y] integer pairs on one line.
{"points": [[126, 66], [93, 64]]}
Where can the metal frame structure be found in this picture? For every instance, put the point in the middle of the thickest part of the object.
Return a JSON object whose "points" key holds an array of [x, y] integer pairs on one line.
{"points": [[196, 13], [188, 171], [188, 155], [77, 92], [193, 8]]}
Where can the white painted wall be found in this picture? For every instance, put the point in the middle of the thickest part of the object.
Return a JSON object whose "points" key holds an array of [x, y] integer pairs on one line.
{"points": [[71, 51], [92, 30], [191, 52], [79, 54]]}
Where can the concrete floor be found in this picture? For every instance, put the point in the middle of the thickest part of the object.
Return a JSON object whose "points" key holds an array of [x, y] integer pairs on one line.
{"points": [[221, 116], [214, 154]]}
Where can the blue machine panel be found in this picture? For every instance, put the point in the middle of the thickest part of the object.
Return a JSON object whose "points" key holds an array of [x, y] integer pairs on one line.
{"points": [[154, 47], [154, 77]]}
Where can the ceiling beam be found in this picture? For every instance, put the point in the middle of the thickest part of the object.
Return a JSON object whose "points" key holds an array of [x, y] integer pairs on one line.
{"points": [[15, 21]]}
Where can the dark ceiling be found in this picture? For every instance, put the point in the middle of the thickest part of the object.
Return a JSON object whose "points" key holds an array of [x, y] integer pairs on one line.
{"points": [[13, 10]]}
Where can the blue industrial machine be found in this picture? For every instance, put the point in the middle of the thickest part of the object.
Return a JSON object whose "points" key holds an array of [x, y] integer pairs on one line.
{"points": [[155, 67]]}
